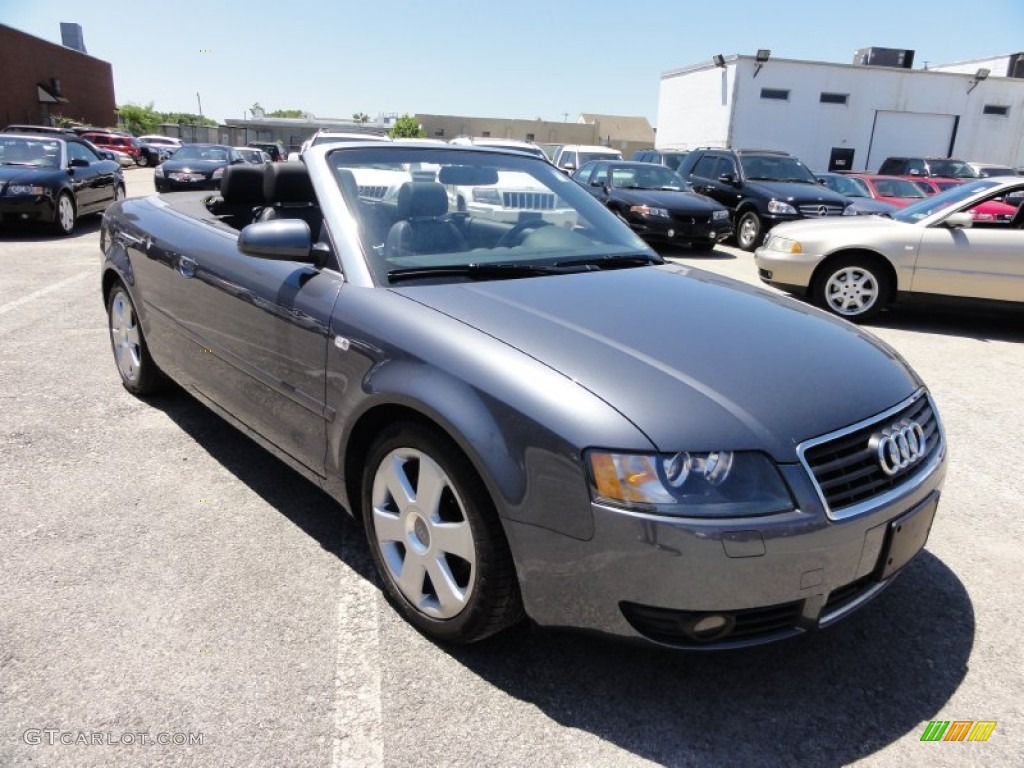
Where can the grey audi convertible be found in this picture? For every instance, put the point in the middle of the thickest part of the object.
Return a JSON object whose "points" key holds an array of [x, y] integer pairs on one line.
{"points": [[533, 415]]}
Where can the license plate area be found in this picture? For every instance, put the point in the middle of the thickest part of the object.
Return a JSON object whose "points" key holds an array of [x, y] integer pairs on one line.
{"points": [[906, 537]]}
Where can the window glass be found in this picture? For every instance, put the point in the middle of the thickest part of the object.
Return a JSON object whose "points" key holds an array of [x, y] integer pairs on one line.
{"points": [[705, 167], [834, 98], [78, 151], [776, 94]]}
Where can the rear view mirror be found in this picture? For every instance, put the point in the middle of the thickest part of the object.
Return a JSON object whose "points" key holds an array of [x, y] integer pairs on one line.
{"points": [[468, 175], [961, 220]]}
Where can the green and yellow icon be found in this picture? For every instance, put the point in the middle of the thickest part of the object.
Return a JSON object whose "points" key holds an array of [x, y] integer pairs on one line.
{"points": [[958, 730]]}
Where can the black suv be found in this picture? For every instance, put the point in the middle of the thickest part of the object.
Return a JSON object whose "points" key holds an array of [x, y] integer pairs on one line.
{"points": [[761, 187], [668, 157], [927, 166]]}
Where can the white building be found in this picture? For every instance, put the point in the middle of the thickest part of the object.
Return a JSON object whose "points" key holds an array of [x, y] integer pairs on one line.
{"points": [[854, 114]]}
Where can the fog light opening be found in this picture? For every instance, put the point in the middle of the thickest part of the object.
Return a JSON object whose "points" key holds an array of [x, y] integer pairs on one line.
{"points": [[711, 627], [671, 233]]}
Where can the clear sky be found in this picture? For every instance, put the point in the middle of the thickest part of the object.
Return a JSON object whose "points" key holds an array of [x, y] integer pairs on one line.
{"points": [[521, 59]]}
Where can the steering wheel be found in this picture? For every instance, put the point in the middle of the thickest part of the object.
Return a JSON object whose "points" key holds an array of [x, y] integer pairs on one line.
{"points": [[515, 235]]}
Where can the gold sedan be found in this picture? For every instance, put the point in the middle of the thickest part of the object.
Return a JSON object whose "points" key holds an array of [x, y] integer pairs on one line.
{"points": [[854, 266]]}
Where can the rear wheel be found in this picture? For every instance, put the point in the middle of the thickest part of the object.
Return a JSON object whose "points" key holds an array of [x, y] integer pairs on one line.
{"points": [[139, 373], [749, 231], [854, 287], [142, 160], [435, 537]]}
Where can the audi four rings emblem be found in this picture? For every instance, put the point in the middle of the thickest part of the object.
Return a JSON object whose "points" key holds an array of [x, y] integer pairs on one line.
{"points": [[899, 446]]}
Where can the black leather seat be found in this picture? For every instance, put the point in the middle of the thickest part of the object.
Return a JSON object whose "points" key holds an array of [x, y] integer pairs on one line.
{"points": [[289, 194], [1017, 222], [241, 195], [422, 227]]}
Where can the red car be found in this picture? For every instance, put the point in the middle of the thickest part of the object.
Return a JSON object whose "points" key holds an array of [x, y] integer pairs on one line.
{"points": [[897, 190], [992, 212], [119, 142]]}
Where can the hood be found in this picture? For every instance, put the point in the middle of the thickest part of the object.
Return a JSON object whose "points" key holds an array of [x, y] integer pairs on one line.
{"points": [[802, 194], [673, 201], [694, 360], [171, 165], [20, 174], [837, 229]]}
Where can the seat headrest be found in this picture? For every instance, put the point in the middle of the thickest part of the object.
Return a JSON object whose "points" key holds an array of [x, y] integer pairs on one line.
{"points": [[288, 183], [347, 184], [242, 184], [421, 198]]}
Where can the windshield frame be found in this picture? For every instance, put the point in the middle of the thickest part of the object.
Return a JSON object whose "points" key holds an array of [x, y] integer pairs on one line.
{"points": [[364, 263]]}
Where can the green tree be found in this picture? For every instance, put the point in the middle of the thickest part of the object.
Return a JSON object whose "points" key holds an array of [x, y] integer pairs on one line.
{"points": [[139, 120], [361, 117], [406, 127], [285, 113], [188, 118]]}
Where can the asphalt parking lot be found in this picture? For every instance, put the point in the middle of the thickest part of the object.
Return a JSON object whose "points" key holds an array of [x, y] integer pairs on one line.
{"points": [[164, 577]]}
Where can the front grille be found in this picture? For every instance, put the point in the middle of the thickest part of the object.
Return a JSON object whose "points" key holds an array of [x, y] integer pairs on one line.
{"points": [[692, 220], [528, 201], [846, 468], [815, 209], [375, 192], [665, 625]]}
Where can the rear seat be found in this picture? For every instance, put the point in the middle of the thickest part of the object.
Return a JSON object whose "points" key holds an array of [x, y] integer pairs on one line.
{"points": [[241, 195], [288, 194]]}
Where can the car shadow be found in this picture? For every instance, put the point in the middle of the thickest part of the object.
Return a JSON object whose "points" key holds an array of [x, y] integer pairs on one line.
{"points": [[30, 232], [982, 324], [677, 252], [827, 698]]}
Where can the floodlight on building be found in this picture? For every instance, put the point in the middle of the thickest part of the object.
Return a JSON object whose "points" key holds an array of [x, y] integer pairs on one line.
{"points": [[763, 54], [719, 60], [980, 75]]}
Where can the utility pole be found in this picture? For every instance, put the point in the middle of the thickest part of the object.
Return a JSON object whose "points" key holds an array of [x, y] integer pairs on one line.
{"points": [[200, 103]]}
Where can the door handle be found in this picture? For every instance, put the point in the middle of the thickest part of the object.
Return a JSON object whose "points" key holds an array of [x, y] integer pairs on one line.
{"points": [[131, 241], [186, 266]]}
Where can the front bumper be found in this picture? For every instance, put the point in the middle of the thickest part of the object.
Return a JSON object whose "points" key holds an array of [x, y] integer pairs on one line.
{"points": [[680, 230], [789, 271], [27, 208], [650, 578], [169, 184]]}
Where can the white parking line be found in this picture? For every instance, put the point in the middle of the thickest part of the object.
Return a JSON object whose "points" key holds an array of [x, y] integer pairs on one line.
{"points": [[53, 287], [357, 676]]}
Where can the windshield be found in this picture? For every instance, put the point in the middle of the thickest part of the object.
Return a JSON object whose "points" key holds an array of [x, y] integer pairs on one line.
{"points": [[199, 152], [898, 188], [647, 176], [39, 153], [955, 169], [449, 213], [846, 185], [586, 157], [775, 168], [941, 201]]}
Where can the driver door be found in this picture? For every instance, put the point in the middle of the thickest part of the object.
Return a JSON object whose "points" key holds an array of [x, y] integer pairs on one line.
{"points": [[972, 263]]}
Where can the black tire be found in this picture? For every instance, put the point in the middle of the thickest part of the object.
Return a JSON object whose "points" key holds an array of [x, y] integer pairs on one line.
{"points": [[142, 160], [139, 374], [491, 589], [853, 287], [64, 214], [749, 231]]}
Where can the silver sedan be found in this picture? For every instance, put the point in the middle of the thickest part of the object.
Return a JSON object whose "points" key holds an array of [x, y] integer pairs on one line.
{"points": [[855, 266]]}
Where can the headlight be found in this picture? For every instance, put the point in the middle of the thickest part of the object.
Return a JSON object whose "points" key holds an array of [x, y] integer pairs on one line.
{"points": [[158, 171], [217, 174], [646, 210], [689, 484], [777, 206], [25, 189], [783, 244], [720, 215], [486, 195], [851, 210]]}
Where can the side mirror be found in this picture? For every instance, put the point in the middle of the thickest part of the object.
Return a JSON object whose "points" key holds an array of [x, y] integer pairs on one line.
{"points": [[961, 220], [568, 167], [915, 172], [727, 178], [280, 240]]}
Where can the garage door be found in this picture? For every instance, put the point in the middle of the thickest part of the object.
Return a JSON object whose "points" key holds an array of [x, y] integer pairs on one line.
{"points": [[919, 134]]}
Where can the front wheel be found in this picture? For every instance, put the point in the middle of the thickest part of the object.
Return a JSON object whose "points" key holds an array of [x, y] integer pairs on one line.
{"points": [[435, 537], [749, 231], [142, 161], [139, 373], [64, 218], [854, 288]]}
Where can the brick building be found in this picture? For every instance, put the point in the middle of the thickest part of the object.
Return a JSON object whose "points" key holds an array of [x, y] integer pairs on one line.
{"points": [[43, 80]]}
